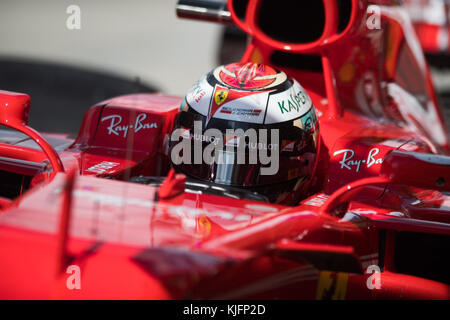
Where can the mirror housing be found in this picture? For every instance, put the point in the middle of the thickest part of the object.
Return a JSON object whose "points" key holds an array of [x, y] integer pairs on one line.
{"points": [[14, 108], [422, 170]]}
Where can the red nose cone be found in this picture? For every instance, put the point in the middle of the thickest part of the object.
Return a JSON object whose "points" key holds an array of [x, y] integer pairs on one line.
{"points": [[14, 107]]}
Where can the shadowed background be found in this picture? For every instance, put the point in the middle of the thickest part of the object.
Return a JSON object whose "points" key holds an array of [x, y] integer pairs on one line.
{"points": [[122, 47]]}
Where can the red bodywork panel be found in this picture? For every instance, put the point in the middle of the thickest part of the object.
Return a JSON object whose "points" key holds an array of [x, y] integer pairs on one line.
{"points": [[379, 201]]}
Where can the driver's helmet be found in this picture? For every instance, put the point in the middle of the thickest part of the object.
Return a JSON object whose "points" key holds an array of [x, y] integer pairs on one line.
{"points": [[248, 126]]}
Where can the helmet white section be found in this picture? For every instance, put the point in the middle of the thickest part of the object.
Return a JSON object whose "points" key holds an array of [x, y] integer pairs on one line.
{"points": [[288, 105], [199, 96], [250, 107]]}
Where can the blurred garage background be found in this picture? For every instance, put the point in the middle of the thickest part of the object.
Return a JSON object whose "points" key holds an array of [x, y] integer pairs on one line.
{"points": [[122, 47]]}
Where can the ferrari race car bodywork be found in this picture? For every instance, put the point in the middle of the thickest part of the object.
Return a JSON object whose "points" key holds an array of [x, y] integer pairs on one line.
{"points": [[431, 22], [90, 218]]}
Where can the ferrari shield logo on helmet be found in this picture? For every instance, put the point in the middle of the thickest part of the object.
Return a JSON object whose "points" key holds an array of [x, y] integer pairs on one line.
{"points": [[220, 96], [225, 105]]}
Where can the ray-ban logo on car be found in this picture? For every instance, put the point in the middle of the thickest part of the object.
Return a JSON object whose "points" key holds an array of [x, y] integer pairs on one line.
{"points": [[349, 161], [116, 127]]}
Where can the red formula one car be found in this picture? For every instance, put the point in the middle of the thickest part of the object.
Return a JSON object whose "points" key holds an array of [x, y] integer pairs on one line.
{"points": [[103, 216], [431, 22]]}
